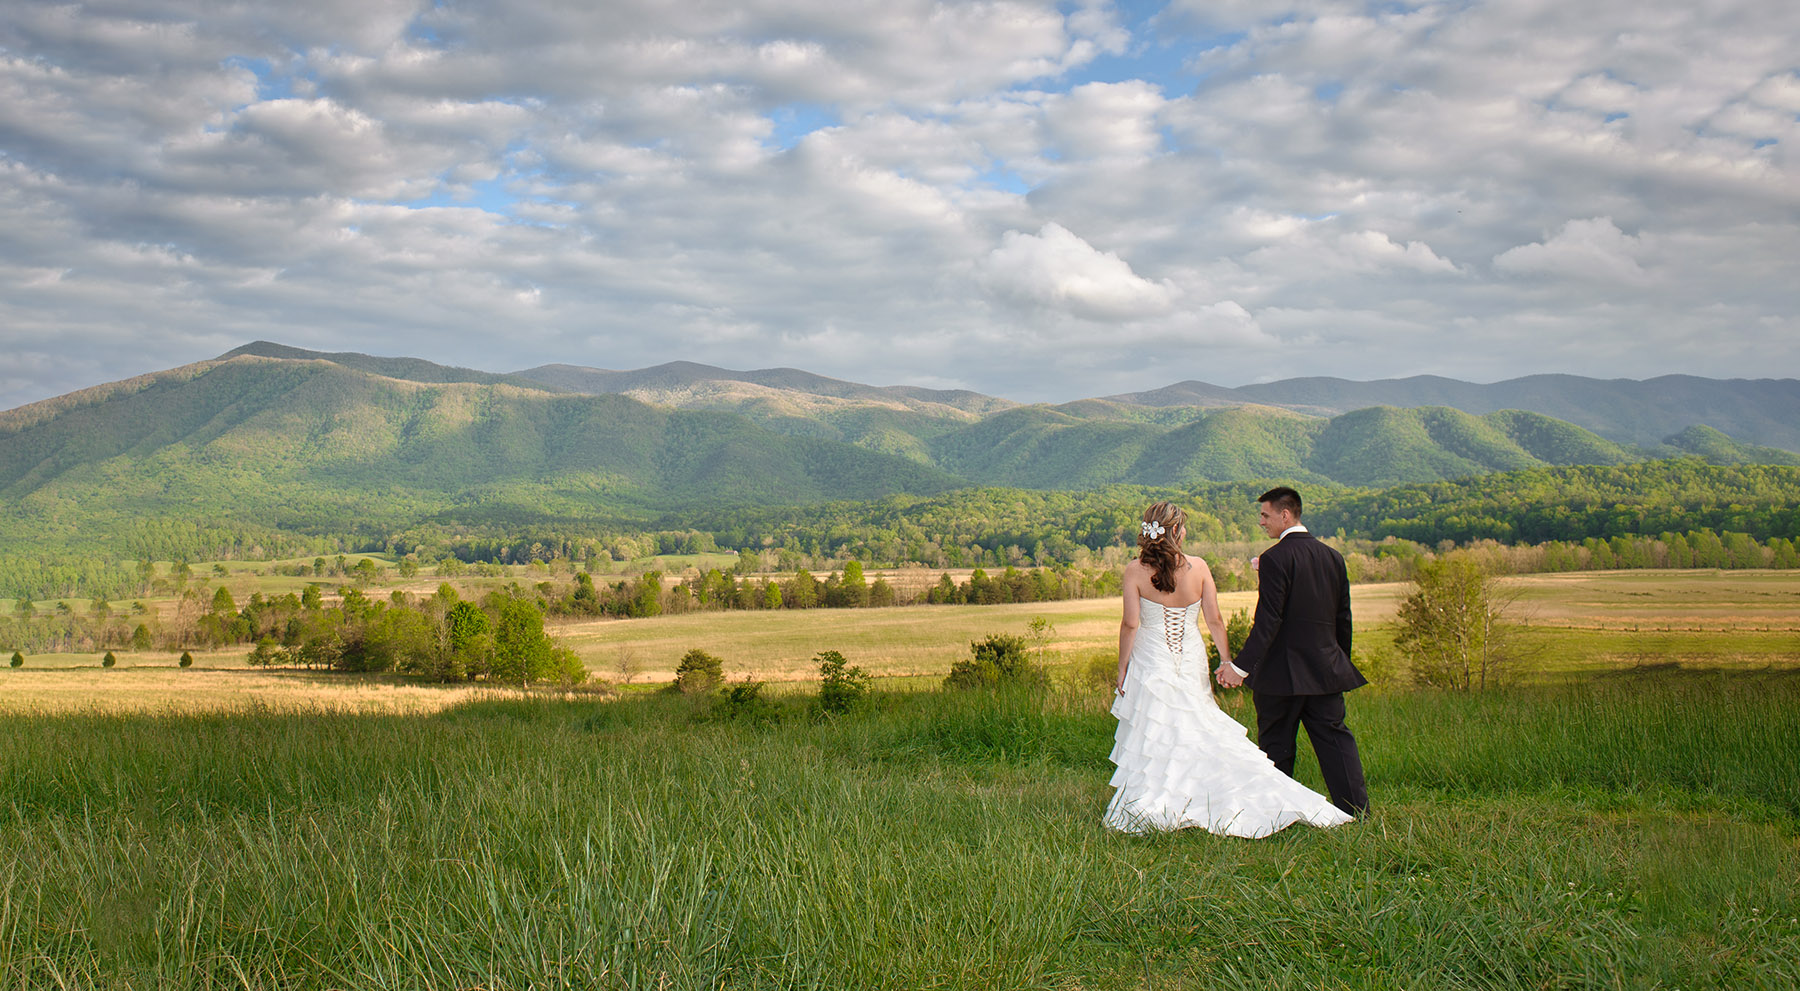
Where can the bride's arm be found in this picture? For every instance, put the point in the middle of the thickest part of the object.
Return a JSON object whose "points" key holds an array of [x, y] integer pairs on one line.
{"points": [[1209, 606], [1128, 624]]}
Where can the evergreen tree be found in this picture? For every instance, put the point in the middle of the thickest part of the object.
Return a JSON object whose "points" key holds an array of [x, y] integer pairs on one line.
{"points": [[18, 659], [140, 638], [187, 659], [109, 660], [853, 589], [698, 672], [585, 600], [805, 590], [646, 596]]}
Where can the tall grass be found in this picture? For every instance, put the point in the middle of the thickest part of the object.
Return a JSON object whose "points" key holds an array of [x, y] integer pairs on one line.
{"points": [[1607, 835]]}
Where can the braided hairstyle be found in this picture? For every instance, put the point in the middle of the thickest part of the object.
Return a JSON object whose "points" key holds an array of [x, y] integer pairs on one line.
{"points": [[1161, 553]]}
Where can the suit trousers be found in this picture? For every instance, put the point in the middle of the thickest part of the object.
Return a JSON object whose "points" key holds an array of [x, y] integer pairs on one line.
{"points": [[1278, 719]]}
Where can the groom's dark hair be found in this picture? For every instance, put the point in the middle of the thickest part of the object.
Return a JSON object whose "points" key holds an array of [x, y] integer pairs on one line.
{"points": [[1281, 497]]}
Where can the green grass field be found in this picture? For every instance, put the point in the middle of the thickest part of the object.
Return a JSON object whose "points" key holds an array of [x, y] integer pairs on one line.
{"points": [[1626, 817], [1618, 833]]}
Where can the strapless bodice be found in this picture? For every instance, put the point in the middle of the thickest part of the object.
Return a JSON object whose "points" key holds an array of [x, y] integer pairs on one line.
{"points": [[1178, 625]]}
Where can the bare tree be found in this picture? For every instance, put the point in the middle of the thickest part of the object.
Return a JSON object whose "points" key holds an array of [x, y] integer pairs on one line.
{"points": [[627, 665]]}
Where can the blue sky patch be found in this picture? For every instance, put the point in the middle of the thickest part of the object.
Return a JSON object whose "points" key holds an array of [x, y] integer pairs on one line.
{"points": [[795, 121]]}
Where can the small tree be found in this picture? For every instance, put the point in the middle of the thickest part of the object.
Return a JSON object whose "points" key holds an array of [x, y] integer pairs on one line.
{"points": [[264, 653], [187, 659], [627, 665], [109, 660], [853, 590], [18, 659], [698, 672], [140, 637], [646, 596], [1454, 627], [841, 686]]}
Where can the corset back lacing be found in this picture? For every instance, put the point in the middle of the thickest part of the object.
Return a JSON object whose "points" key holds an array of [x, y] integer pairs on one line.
{"points": [[1174, 626]]}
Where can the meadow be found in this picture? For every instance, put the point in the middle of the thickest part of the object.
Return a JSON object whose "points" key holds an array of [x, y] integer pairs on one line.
{"points": [[1628, 816], [1612, 834]]}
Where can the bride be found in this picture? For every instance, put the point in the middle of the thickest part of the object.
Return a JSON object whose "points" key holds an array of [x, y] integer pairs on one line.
{"points": [[1182, 761]]}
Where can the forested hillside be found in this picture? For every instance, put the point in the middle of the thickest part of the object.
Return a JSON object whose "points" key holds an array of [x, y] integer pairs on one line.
{"points": [[1626, 411], [314, 447], [283, 453]]}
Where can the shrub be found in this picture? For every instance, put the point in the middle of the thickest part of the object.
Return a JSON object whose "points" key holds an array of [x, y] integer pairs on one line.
{"points": [[698, 672], [841, 687], [1381, 665], [187, 659], [744, 702], [109, 660], [998, 660], [1237, 633], [18, 659], [1101, 670]]}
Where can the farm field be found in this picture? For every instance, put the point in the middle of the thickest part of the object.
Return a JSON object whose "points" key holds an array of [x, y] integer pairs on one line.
{"points": [[1578, 624]]}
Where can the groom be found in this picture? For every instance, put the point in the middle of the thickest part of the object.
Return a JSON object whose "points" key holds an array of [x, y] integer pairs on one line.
{"points": [[1297, 660]]}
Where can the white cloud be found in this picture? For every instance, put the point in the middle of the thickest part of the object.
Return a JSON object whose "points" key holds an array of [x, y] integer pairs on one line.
{"points": [[888, 191], [1055, 268], [1592, 250]]}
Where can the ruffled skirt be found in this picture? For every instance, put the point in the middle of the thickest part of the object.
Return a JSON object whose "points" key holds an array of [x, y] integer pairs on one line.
{"points": [[1182, 761]]}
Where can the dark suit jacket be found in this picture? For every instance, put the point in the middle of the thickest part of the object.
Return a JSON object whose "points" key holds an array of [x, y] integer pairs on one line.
{"points": [[1300, 643]]}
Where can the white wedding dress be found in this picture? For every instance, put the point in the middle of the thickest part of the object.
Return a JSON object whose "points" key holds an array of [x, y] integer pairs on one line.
{"points": [[1182, 761]]}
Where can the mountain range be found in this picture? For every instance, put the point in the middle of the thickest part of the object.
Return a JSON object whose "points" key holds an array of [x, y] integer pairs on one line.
{"points": [[328, 442], [1644, 413]]}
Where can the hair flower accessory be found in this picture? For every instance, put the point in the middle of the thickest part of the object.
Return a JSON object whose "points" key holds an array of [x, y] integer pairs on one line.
{"points": [[1153, 529]]}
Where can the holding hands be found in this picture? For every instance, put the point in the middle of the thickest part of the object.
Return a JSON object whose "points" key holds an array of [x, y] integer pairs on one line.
{"points": [[1226, 677]]}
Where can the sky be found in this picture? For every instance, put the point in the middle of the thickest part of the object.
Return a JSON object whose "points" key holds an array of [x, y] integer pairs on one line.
{"points": [[1038, 200]]}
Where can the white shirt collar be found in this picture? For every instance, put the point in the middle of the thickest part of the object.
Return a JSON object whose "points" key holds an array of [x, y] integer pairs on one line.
{"points": [[1296, 528]]}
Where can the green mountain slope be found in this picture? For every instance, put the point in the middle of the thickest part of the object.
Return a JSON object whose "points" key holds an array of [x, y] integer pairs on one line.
{"points": [[410, 369], [1625, 411], [317, 446], [1557, 442], [1719, 449], [1097, 443], [295, 443]]}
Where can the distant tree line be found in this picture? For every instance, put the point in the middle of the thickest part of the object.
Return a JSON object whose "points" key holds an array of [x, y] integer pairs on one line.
{"points": [[443, 636], [1384, 532]]}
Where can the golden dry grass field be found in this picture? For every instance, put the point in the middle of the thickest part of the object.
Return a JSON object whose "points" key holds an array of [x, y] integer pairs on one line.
{"points": [[1578, 624]]}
